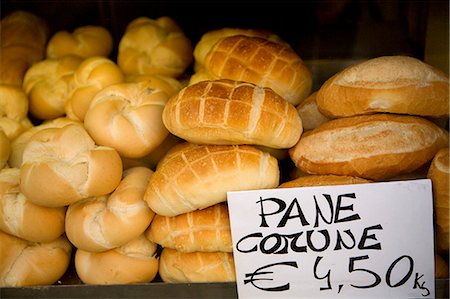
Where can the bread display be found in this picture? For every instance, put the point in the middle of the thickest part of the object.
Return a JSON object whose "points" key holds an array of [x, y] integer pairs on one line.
{"points": [[85, 41], [439, 175], [101, 223], [206, 230], [25, 263], [13, 111], [182, 267], [128, 118], [388, 84], [24, 219], [154, 46], [232, 112], [69, 159], [164, 83], [133, 262], [192, 177], [374, 147], [323, 180], [309, 113], [5, 149]]}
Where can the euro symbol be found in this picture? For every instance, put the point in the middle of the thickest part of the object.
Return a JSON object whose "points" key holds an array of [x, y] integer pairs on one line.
{"points": [[259, 272]]}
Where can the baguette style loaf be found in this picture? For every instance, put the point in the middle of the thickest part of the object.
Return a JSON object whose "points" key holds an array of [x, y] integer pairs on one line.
{"points": [[389, 84], [375, 147], [192, 177], [232, 112]]}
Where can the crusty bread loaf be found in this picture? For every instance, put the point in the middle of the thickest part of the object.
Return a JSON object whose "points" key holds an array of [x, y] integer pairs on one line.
{"points": [[232, 112], [157, 46], [309, 113], [167, 84], [187, 267], [5, 149], [375, 147], [192, 177], [24, 219], [441, 270], [206, 230], [393, 84], [48, 85], [128, 118], [439, 175], [91, 76], [261, 62], [101, 223], [13, 111], [24, 263], [63, 165], [323, 180], [133, 262], [84, 41]]}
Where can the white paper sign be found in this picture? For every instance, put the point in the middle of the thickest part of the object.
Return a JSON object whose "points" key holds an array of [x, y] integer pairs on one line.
{"points": [[351, 241]]}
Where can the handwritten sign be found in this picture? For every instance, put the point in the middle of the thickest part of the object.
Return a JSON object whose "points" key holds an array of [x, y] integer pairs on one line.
{"points": [[351, 241]]}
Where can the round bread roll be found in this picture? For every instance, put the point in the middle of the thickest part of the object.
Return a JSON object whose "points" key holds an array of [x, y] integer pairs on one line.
{"points": [[192, 177], [25, 263], [441, 267], [167, 84], [128, 118], [63, 165], [374, 147], [91, 76], [105, 222], [232, 112], [84, 41], [24, 219], [393, 84], [13, 111], [439, 175], [5, 149], [154, 47], [309, 113], [187, 267], [206, 230], [134, 262], [323, 180], [261, 62], [48, 86]]}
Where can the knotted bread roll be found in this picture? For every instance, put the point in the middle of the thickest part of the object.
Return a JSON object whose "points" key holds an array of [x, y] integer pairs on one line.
{"points": [[101, 223], [63, 165], [167, 84], [232, 112], [13, 111], [192, 177], [323, 180]]}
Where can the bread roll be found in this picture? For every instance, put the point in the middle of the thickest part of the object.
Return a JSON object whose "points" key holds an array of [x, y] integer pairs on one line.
{"points": [[101, 223], [134, 262], [84, 41], [24, 219], [192, 267], [232, 112], [192, 177], [24, 263], [167, 84], [63, 165], [15, 61], [13, 111], [309, 113], [441, 267], [374, 147], [323, 180], [261, 62], [439, 175], [154, 47], [206, 230], [91, 76], [48, 86], [393, 84], [5, 149], [128, 118]]}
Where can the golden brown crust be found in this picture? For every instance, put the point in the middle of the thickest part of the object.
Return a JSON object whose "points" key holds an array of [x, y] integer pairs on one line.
{"points": [[323, 180]]}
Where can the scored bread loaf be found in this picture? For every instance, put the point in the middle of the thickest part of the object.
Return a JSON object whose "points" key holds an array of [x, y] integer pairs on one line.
{"points": [[323, 180], [261, 62], [25, 263], [24, 219], [133, 262], [187, 267], [309, 113], [101, 223], [232, 112], [192, 176], [393, 84], [377, 147], [439, 175], [13, 111], [206, 230], [63, 165]]}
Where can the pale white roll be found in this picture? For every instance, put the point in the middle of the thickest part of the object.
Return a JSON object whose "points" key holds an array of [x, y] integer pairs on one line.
{"points": [[309, 113]]}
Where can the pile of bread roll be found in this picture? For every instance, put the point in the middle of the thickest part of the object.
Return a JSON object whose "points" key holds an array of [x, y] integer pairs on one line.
{"points": [[123, 164]]}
